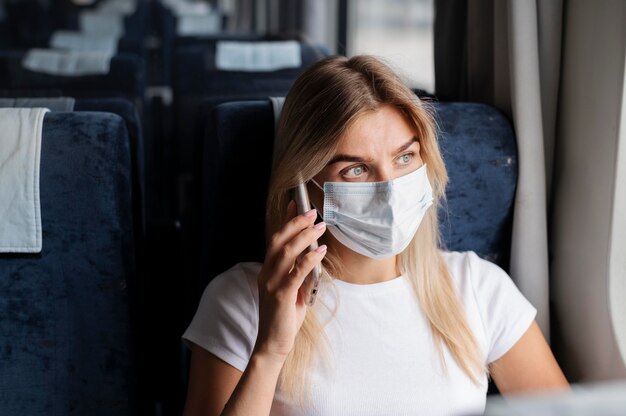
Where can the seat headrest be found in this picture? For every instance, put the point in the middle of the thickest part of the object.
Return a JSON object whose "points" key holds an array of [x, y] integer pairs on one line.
{"points": [[257, 56]]}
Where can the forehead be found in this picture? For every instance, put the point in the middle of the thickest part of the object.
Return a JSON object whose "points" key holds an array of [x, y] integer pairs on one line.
{"points": [[383, 129]]}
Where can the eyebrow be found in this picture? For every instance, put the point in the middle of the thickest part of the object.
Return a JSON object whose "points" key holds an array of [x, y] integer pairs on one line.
{"points": [[350, 158]]}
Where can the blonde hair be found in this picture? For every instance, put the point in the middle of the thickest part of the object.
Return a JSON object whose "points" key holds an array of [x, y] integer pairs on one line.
{"points": [[322, 104]]}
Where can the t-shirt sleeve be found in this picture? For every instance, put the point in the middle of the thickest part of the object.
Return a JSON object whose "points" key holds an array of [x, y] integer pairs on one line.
{"points": [[226, 321], [505, 312]]}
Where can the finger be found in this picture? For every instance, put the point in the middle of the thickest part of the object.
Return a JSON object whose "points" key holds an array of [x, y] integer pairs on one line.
{"points": [[292, 211], [287, 256], [288, 232], [303, 268]]}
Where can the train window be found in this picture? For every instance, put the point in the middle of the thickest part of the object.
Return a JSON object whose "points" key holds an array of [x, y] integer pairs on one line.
{"points": [[400, 31]]}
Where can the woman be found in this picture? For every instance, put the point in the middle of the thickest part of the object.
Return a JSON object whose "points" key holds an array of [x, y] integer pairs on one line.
{"points": [[400, 326]]}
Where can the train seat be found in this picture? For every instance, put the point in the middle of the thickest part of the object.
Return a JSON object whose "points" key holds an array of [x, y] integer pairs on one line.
{"points": [[67, 345], [125, 78], [477, 144]]}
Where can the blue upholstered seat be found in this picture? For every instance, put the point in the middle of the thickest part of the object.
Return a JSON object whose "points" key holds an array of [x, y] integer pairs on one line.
{"points": [[65, 332], [480, 152], [198, 86], [126, 78], [129, 114], [196, 80], [478, 147]]}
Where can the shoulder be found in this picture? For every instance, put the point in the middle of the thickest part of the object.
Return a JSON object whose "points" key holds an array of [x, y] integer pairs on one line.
{"points": [[504, 311], [226, 321], [237, 282], [231, 297], [481, 278], [468, 268], [459, 257]]}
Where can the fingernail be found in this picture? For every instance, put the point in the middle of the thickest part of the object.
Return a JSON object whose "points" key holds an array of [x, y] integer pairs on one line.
{"points": [[310, 213], [321, 248], [319, 225]]}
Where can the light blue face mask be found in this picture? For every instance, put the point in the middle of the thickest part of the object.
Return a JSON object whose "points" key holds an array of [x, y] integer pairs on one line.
{"points": [[377, 219]]}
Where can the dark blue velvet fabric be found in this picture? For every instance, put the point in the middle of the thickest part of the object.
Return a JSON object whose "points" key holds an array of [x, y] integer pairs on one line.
{"points": [[65, 332], [212, 38], [28, 19], [42, 93], [198, 86], [237, 161], [164, 22], [126, 78], [480, 153], [128, 112], [477, 143]]}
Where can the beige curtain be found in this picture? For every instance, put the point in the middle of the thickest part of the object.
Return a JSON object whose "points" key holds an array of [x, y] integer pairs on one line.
{"points": [[510, 58], [530, 88], [588, 221]]}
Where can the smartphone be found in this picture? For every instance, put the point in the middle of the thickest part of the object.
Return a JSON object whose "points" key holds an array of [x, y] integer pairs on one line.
{"points": [[312, 281]]}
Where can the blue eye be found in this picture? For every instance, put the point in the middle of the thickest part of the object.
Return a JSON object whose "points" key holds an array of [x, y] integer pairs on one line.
{"points": [[355, 171], [406, 158]]}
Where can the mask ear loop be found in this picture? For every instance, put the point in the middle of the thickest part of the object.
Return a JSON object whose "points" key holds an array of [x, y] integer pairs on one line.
{"points": [[319, 213], [317, 184]]}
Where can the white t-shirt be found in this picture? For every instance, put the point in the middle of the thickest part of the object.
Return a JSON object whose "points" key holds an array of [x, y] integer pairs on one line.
{"points": [[385, 361]]}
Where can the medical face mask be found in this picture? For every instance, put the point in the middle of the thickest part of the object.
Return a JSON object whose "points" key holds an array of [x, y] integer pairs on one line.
{"points": [[377, 219]]}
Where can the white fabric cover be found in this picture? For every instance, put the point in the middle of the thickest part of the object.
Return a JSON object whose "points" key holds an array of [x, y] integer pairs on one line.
{"points": [[257, 56], [79, 41], [384, 358], [67, 62], [192, 25], [187, 8], [65, 104], [277, 107], [20, 151], [101, 24]]}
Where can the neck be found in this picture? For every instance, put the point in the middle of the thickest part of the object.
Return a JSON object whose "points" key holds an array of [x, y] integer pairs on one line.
{"points": [[362, 270]]}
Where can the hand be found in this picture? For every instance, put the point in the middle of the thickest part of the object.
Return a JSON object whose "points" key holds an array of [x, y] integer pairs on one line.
{"points": [[282, 304]]}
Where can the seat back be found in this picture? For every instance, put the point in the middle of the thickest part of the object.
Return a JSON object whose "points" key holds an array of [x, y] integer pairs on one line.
{"points": [[197, 81], [65, 332], [195, 72], [478, 147], [126, 78], [122, 108], [198, 86], [129, 114]]}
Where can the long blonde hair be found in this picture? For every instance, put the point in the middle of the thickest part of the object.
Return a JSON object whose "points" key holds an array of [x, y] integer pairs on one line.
{"points": [[322, 104]]}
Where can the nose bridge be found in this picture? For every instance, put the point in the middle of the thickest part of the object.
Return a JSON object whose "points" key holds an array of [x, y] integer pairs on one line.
{"points": [[385, 172]]}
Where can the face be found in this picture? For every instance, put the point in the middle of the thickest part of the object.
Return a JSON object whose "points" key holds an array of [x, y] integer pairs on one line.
{"points": [[379, 146]]}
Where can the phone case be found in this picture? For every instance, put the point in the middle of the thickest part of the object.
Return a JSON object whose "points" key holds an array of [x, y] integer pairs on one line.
{"points": [[312, 281]]}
